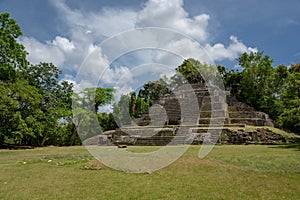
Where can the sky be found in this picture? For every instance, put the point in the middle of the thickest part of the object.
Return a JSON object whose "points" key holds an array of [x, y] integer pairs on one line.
{"points": [[111, 39]]}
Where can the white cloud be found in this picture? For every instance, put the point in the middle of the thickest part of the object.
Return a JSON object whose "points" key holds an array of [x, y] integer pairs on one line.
{"points": [[219, 52], [43, 52], [63, 43], [87, 29], [171, 14], [56, 51], [189, 49], [106, 22], [78, 87], [96, 68]]}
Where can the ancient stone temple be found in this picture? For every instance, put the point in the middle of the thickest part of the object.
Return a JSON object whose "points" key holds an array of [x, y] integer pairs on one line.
{"points": [[195, 114]]}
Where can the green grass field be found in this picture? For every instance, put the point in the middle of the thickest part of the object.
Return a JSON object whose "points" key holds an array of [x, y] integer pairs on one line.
{"points": [[228, 172]]}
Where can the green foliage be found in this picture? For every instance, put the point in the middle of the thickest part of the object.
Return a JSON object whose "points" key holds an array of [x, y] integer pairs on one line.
{"points": [[92, 98], [290, 119], [19, 107], [232, 82], [12, 54], [257, 78], [190, 71], [107, 121], [85, 122], [139, 105], [273, 90], [134, 105], [31, 115], [121, 111], [35, 107], [85, 109]]}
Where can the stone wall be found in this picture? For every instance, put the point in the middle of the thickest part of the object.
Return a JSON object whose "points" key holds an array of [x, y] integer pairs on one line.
{"points": [[258, 136]]}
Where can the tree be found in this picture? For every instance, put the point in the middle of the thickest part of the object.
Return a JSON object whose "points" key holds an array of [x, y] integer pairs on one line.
{"points": [[56, 99], [106, 121], [92, 98], [12, 54], [190, 70], [232, 81], [290, 117], [257, 81], [85, 109], [19, 110], [280, 80], [121, 111], [103, 96], [141, 105], [148, 94]]}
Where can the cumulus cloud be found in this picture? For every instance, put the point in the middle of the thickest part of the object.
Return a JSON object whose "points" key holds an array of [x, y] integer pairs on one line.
{"points": [[105, 23], [43, 52], [219, 52], [80, 52], [96, 70], [189, 49], [77, 86], [171, 14], [64, 44]]}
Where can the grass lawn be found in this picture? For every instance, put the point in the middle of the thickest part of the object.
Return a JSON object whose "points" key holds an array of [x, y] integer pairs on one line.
{"points": [[228, 172]]}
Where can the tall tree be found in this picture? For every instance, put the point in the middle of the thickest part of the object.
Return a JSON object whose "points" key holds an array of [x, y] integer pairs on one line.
{"points": [[56, 98], [85, 109], [192, 71], [121, 111], [290, 117], [12, 54], [19, 111], [189, 72], [257, 80]]}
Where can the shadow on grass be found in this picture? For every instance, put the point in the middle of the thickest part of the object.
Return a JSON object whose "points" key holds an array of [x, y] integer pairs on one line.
{"points": [[15, 147], [293, 144]]}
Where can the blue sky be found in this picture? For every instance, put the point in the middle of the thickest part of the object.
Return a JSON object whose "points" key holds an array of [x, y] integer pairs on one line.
{"points": [[65, 31]]}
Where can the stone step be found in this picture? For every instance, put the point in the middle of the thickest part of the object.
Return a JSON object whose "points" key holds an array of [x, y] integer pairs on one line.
{"points": [[161, 140], [215, 106], [206, 130], [216, 113], [224, 125], [240, 108], [246, 114], [217, 99], [215, 120], [147, 132], [248, 121]]}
